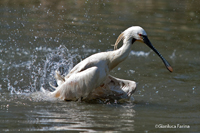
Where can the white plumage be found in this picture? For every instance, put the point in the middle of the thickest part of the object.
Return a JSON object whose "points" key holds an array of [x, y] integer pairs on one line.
{"points": [[90, 78]]}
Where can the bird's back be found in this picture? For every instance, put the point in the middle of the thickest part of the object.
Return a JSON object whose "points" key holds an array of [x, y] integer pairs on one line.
{"points": [[99, 60]]}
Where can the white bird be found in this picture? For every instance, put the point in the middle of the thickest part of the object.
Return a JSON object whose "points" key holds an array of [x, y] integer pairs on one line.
{"points": [[90, 78]]}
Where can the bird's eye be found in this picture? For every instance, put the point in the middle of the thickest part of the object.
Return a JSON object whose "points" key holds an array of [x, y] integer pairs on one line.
{"points": [[141, 36]]}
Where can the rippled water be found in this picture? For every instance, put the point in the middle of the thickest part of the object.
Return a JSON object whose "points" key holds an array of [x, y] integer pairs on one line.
{"points": [[38, 37]]}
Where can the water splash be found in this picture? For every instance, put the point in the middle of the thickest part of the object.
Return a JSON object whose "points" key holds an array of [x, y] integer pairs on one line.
{"points": [[61, 59], [34, 75]]}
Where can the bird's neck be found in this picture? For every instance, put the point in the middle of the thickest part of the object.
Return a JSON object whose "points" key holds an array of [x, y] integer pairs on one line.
{"points": [[120, 54]]}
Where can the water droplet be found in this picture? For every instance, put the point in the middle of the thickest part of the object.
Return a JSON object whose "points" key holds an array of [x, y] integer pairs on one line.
{"points": [[193, 88], [132, 71], [15, 82]]}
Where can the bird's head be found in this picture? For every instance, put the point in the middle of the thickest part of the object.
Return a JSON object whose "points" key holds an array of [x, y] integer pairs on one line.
{"points": [[137, 33]]}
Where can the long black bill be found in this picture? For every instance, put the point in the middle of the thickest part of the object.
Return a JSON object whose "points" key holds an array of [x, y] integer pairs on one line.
{"points": [[147, 42]]}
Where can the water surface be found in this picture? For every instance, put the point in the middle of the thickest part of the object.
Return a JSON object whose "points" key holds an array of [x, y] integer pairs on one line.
{"points": [[38, 37]]}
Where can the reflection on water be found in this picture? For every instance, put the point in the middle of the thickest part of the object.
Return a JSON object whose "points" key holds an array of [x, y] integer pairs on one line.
{"points": [[38, 37]]}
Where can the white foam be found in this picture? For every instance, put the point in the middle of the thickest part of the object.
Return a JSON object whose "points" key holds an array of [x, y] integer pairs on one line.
{"points": [[140, 53]]}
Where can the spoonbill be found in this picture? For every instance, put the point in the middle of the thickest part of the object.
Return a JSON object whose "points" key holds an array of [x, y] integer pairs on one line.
{"points": [[90, 78]]}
